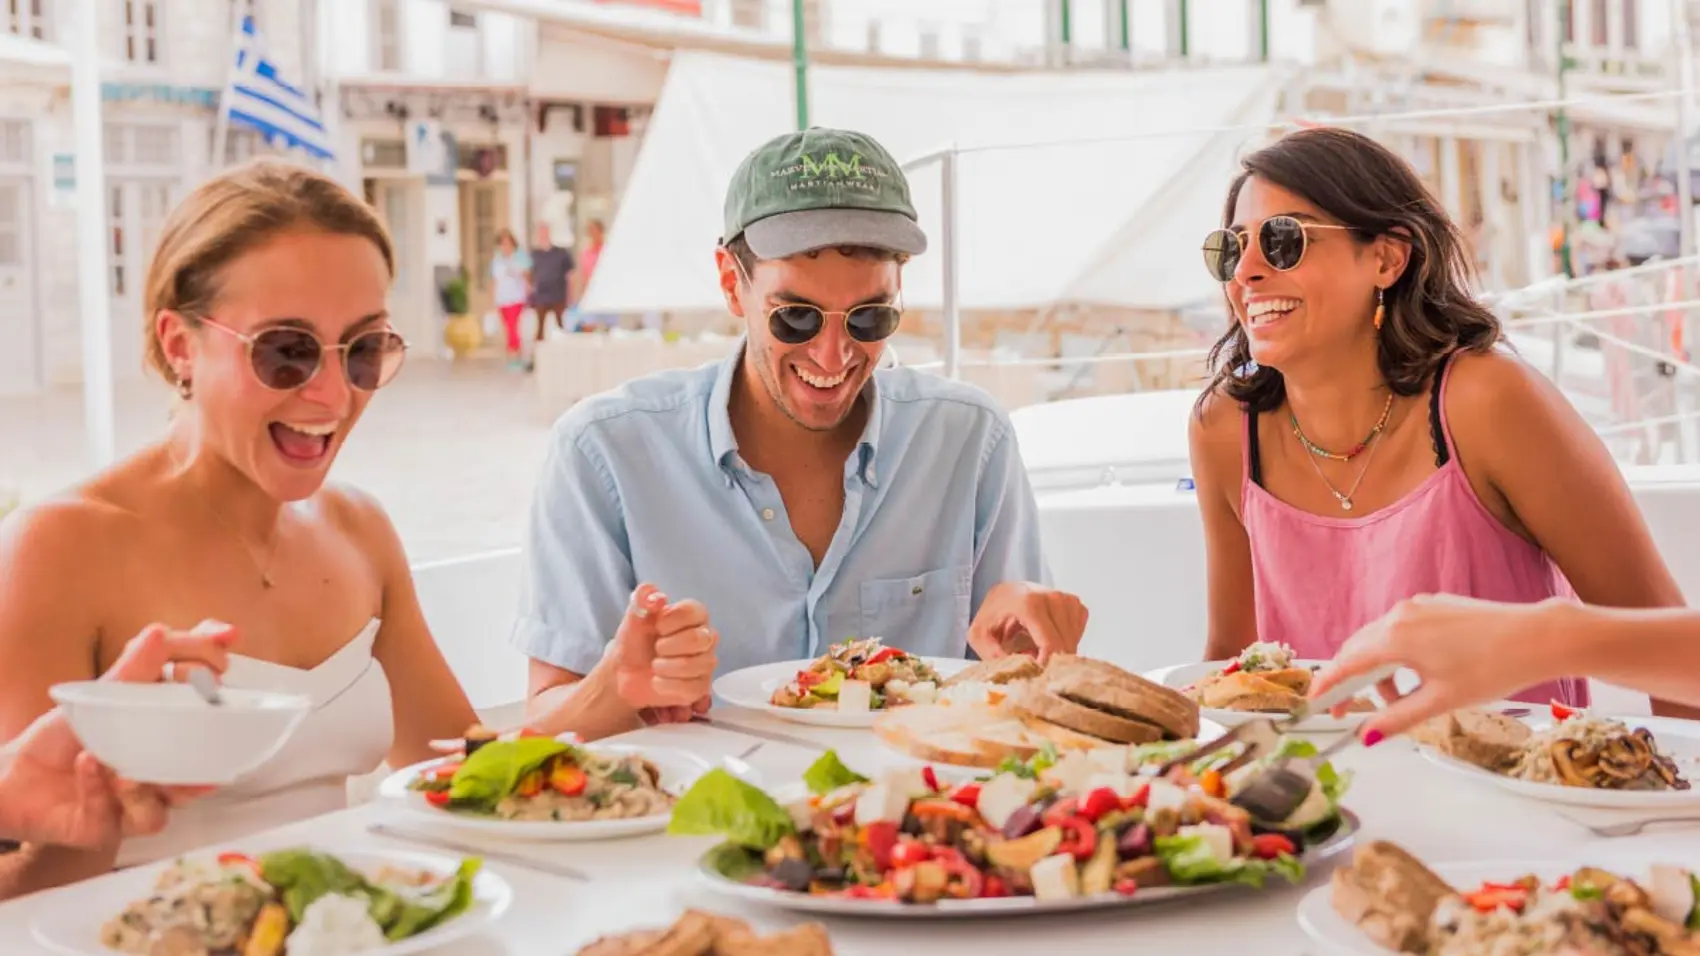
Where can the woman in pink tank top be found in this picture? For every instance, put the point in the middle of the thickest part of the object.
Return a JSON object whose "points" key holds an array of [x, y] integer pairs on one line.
{"points": [[1364, 441]]}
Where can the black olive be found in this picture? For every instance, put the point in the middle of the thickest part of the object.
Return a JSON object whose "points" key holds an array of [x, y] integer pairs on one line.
{"points": [[1023, 821], [912, 825], [795, 874], [1134, 842]]}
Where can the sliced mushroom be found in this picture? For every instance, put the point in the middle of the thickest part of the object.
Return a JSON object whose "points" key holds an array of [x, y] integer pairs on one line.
{"points": [[1568, 759]]}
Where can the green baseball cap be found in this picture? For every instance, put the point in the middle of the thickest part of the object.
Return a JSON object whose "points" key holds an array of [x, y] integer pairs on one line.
{"points": [[819, 188]]}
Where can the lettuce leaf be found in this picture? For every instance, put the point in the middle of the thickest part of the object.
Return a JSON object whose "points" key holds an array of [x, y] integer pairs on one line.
{"points": [[303, 876], [410, 914], [719, 804], [829, 773], [1189, 860], [494, 770], [1334, 783]]}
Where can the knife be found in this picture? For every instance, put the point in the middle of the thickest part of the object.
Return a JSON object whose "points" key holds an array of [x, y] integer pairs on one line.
{"points": [[773, 736], [409, 836]]}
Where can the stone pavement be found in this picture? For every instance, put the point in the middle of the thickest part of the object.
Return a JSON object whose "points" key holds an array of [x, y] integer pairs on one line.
{"points": [[452, 451]]}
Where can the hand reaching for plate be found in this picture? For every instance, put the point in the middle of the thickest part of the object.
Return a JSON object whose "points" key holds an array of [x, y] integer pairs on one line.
{"points": [[664, 656]]}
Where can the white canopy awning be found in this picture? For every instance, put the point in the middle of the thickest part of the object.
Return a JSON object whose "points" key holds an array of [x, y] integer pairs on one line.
{"points": [[1091, 221], [31, 57]]}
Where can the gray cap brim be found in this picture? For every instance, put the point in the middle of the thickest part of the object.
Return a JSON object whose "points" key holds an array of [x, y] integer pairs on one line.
{"points": [[793, 233]]}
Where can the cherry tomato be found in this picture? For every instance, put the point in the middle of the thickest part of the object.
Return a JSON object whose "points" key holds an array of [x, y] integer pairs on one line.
{"points": [[1268, 846], [437, 798], [1561, 712], [880, 839], [567, 779], [1489, 898], [1126, 887], [909, 853], [444, 771], [993, 886], [1099, 802], [530, 785]]}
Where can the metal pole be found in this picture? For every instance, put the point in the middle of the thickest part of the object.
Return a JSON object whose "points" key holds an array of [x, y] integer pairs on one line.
{"points": [[951, 256], [94, 305], [1185, 38], [1126, 28], [1562, 124], [221, 128], [1066, 28], [1263, 30], [1682, 28], [800, 62]]}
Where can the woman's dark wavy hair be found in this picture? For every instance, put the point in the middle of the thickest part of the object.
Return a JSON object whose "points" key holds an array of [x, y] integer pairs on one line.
{"points": [[1362, 184]]}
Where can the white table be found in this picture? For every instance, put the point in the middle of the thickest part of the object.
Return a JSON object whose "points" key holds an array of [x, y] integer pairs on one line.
{"points": [[648, 881]]}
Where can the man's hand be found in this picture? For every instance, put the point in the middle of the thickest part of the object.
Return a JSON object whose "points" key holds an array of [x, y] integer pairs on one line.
{"points": [[1022, 618], [664, 657], [52, 791]]}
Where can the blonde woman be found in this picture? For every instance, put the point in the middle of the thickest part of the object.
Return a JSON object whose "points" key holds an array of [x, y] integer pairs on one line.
{"points": [[265, 310]]}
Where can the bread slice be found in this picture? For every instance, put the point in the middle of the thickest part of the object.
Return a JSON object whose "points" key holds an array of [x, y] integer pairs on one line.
{"points": [[1061, 737], [809, 939], [1007, 738], [998, 670], [937, 734], [1389, 895], [1295, 679], [1044, 703], [1482, 738], [1106, 687]]}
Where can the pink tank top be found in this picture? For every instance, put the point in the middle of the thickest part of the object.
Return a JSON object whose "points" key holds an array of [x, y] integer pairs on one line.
{"points": [[1317, 579]]}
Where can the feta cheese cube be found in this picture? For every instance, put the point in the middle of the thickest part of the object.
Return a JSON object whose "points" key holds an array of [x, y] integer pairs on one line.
{"points": [[1217, 838], [1002, 795], [908, 781], [1108, 759], [1166, 796], [1070, 773], [1055, 878], [896, 688], [1122, 784], [855, 696], [881, 803], [923, 692]]}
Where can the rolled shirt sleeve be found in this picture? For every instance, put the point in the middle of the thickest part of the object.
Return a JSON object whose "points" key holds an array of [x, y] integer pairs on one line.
{"points": [[1006, 519], [576, 571]]}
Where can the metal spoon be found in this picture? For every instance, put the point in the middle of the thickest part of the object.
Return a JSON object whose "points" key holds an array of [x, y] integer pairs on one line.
{"points": [[202, 680]]}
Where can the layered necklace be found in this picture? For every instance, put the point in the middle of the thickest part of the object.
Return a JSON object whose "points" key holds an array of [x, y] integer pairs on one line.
{"points": [[1370, 443]]}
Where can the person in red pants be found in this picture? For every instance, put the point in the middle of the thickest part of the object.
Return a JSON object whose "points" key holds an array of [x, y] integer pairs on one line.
{"points": [[510, 269]]}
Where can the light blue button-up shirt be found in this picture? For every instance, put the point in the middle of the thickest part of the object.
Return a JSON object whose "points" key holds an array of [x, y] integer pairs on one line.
{"points": [[645, 483]]}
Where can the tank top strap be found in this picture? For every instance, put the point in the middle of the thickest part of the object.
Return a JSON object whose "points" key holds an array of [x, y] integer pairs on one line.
{"points": [[1252, 464], [1440, 434]]}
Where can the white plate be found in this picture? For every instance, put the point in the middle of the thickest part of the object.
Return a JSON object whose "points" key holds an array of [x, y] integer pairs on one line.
{"points": [[753, 687], [68, 921], [1680, 739], [1334, 936], [1341, 841], [678, 771], [1189, 674]]}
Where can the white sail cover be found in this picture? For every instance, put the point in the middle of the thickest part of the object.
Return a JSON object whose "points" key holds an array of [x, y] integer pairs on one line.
{"points": [[1093, 222]]}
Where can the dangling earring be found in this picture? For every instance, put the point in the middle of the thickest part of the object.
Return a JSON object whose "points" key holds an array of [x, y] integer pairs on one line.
{"points": [[184, 389], [1380, 308]]}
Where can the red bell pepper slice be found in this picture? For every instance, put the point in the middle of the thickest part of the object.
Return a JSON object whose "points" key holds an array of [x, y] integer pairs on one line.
{"points": [[1140, 799], [568, 779], [880, 839], [909, 853], [1099, 802], [968, 795], [1056, 813], [885, 654], [1232, 668], [1561, 712], [1493, 896], [1080, 837], [930, 779], [942, 808]]}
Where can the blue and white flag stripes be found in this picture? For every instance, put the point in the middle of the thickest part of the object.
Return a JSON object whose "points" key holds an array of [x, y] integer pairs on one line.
{"points": [[258, 98]]}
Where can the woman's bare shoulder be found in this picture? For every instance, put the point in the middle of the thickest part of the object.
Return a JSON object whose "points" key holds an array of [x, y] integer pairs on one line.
{"points": [[78, 527], [1215, 427], [363, 518]]}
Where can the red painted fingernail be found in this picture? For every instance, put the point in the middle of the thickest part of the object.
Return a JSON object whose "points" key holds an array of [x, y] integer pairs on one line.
{"points": [[1372, 738]]}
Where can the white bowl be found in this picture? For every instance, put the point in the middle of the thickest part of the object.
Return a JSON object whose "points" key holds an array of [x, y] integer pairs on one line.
{"points": [[166, 734]]}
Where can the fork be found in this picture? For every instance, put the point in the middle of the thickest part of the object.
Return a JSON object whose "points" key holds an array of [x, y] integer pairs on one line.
{"points": [[1628, 827], [1263, 734]]}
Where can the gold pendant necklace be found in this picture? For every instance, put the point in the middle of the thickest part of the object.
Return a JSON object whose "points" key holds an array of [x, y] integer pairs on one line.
{"points": [[265, 569]]}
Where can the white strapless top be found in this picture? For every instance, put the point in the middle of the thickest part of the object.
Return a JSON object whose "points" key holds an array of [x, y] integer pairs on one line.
{"points": [[347, 733]]}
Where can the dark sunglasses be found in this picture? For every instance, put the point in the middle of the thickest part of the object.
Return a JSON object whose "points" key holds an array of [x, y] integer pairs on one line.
{"points": [[286, 358], [1280, 239], [796, 324]]}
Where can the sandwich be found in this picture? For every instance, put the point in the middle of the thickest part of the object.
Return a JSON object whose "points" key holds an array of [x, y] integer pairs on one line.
{"points": [[1106, 702], [1389, 895], [998, 670]]}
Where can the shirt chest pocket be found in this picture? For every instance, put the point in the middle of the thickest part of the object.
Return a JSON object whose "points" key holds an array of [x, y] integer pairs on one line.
{"points": [[925, 614]]}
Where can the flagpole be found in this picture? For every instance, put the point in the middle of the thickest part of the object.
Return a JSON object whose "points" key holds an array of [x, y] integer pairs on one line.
{"points": [[221, 130]]}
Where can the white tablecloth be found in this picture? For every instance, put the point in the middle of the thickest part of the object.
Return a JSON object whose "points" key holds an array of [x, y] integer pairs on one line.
{"points": [[648, 881]]}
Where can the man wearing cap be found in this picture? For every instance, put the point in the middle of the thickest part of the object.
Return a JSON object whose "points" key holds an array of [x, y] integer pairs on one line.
{"points": [[803, 493]]}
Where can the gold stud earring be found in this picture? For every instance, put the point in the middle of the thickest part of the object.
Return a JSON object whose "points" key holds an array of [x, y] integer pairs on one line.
{"points": [[1380, 308]]}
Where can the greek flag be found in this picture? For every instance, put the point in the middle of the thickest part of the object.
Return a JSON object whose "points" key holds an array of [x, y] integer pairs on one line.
{"points": [[258, 97]]}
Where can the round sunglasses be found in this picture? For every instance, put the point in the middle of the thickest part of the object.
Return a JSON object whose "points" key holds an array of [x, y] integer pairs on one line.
{"points": [[796, 324], [1280, 239], [285, 358]]}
